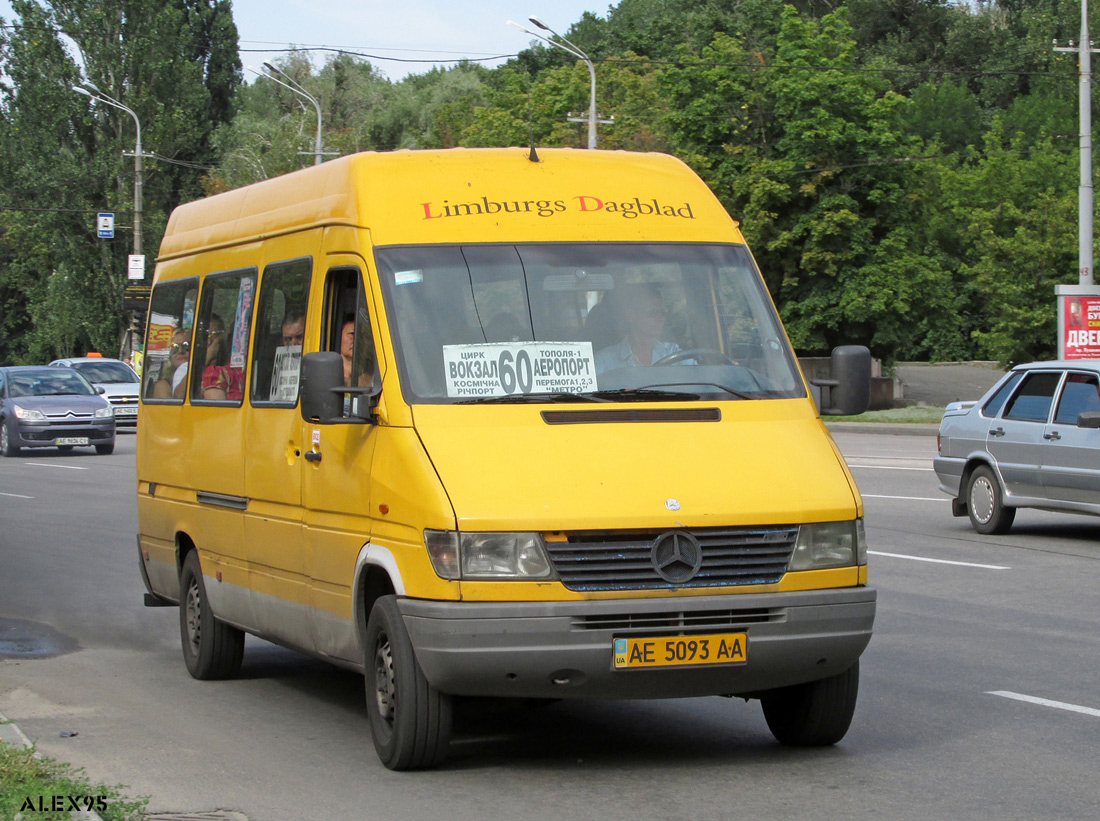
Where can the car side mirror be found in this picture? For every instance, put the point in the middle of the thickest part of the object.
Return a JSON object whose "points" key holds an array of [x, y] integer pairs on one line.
{"points": [[100, 390], [321, 380], [1089, 419]]}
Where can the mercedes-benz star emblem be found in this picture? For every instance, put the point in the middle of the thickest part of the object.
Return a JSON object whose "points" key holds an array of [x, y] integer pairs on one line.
{"points": [[676, 556]]}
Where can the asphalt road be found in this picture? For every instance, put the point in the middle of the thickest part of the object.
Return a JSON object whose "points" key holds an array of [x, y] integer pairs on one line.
{"points": [[979, 695]]}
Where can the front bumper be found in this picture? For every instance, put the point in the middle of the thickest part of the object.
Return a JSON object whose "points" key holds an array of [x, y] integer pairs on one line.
{"points": [[39, 434], [565, 649]]}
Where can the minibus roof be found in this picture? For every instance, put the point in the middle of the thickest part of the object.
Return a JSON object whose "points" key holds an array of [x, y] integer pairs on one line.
{"points": [[466, 195]]}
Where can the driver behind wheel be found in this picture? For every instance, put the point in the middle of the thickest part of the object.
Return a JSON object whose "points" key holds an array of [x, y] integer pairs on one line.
{"points": [[642, 314]]}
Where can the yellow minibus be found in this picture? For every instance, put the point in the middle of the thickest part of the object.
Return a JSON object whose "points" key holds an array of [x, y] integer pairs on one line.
{"points": [[497, 423]]}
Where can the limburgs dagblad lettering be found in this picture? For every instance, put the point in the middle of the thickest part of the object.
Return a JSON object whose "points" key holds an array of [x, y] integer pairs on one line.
{"points": [[584, 203]]}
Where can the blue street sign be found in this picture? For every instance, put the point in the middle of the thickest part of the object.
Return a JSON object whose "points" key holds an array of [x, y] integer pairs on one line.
{"points": [[105, 225]]}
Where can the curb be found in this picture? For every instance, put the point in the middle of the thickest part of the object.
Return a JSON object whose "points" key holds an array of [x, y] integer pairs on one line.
{"points": [[890, 428], [11, 735]]}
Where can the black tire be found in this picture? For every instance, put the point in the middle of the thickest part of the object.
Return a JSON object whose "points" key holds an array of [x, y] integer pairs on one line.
{"points": [[985, 503], [64, 448], [212, 649], [105, 450], [815, 714], [410, 720], [7, 444]]}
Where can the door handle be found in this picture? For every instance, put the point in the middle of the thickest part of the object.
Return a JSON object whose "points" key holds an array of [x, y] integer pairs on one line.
{"points": [[313, 456], [1052, 436], [997, 432]]}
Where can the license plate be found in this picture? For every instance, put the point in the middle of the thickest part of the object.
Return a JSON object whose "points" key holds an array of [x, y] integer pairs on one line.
{"points": [[131, 411], [72, 440], [680, 651]]}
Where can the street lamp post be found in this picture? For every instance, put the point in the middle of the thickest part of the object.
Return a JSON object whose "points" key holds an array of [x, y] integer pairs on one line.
{"points": [[292, 85], [573, 49], [89, 90]]}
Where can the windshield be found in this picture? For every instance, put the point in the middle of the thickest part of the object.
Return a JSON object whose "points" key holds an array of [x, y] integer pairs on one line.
{"points": [[583, 323], [106, 372], [48, 382]]}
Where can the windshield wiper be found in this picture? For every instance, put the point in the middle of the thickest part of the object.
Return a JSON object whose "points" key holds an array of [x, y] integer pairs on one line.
{"points": [[644, 395], [651, 392], [534, 398]]}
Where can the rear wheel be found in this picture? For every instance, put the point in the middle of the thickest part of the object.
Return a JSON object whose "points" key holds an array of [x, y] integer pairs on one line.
{"points": [[212, 649], [815, 714], [7, 444], [985, 503], [410, 720]]}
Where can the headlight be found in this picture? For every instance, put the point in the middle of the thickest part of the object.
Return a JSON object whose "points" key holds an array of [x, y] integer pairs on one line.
{"points": [[830, 544], [487, 555], [28, 413], [103, 413]]}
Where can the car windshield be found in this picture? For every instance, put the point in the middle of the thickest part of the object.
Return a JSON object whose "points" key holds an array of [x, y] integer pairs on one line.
{"points": [[49, 382], [584, 323], [107, 372]]}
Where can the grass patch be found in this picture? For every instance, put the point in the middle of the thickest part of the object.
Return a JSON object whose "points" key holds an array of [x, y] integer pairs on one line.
{"points": [[912, 414], [36, 788]]}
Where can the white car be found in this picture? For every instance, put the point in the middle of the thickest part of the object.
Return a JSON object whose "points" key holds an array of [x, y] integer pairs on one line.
{"points": [[119, 381]]}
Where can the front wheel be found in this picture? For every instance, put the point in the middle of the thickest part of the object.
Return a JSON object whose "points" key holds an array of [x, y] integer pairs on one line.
{"points": [[985, 503], [105, 450], [410, 720], [212, 649], [815, 714], [7, 445]]}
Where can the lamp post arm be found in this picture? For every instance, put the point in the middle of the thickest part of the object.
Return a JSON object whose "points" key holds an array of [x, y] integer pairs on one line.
{"points": [[293, 86], [570, 48]]}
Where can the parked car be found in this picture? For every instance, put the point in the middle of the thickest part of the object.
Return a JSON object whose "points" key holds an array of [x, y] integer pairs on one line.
{"points": [[1032, 441], [42, 407], [119, 381]]}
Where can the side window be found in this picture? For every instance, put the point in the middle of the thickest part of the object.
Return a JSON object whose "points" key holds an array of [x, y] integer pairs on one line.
{"points": [[1081, 393], [221, 337], [1032, 402], [168, 340], [348, 329], [994, 405], [280, 332]]}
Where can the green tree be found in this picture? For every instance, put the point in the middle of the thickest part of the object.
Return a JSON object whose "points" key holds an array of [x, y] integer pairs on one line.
{"points": [[175, 64]]}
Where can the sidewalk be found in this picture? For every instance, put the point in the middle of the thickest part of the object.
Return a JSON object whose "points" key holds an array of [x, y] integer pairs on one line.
{"points": [[11, 735]]}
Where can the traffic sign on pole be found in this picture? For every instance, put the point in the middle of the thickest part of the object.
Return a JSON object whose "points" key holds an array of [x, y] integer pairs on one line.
{"points": [[105, 225]]}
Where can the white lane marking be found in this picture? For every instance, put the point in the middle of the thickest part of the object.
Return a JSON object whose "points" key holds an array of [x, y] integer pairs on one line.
{"points": [[46, 465], [1046, 702], [937, 561], [16, 496], [906, 498], [888, 467]]}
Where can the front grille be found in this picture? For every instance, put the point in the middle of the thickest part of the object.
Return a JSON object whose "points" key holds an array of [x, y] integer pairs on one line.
{"points": [[69, 414], [700, 621], [622, 560]]}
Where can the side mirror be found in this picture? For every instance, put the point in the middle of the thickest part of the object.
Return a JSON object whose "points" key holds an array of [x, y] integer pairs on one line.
{"points": [[321, 381], [848, 391], [1089, 419]]}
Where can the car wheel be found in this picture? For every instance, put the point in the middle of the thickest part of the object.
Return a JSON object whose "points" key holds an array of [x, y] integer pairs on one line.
{"points": [[64, 448], [410, 720], [985, 503], [815, 714], [7, 445], [105, 450], [212, 649]]}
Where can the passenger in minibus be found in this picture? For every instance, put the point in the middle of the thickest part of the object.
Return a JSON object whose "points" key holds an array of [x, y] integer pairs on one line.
{"points": [[294, 328], [642, 312], [173, 380], [220, 381]]}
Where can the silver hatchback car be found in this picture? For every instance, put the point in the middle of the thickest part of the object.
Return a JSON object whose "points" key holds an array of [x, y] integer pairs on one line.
{"points": [[1032, 441]]}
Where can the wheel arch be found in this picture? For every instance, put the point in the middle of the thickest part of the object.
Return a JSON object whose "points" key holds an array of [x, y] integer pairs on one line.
{"points": [[376, 575]]}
